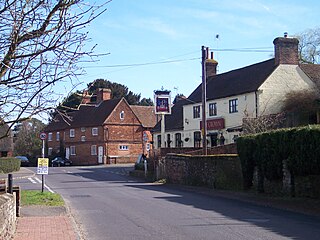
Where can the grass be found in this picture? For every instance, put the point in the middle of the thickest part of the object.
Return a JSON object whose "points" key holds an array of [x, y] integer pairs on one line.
{"points": [[35, 197]]}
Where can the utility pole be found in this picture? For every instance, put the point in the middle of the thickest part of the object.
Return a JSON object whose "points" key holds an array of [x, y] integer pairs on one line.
{"points": [[204, 100]]}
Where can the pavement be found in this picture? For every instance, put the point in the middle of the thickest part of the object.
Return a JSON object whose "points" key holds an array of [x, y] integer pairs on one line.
{"points": [[57, 223], [43, 222]]}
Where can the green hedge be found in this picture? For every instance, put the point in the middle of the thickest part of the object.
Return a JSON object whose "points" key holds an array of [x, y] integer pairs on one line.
{"points": [[9, 164], [266, 151]]}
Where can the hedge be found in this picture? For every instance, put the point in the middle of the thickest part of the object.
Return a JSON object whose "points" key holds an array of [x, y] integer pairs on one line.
{"points": [[9, 164], [300, 147]]}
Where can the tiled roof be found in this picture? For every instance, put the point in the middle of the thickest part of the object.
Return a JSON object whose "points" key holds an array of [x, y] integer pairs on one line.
{"points": [[86, 116], [239, 81], [146, 115], [312, 71]]}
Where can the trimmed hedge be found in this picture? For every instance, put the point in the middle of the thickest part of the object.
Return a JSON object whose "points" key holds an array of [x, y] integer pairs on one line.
{"points": [[300, 147], [9, 164]]}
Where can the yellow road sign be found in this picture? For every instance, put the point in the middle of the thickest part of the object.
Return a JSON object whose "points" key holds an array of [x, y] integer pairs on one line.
{"points": [[43, 166]]}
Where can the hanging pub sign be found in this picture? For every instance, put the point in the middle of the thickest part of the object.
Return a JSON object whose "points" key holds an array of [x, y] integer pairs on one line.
{"points": [[162, 99]]}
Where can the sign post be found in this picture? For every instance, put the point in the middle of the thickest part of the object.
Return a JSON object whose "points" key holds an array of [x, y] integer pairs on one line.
{"points": [[43, 163]]}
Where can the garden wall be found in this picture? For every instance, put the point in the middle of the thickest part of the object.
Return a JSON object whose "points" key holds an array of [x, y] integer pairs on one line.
{"points": [[7, 215], [215, 171]]}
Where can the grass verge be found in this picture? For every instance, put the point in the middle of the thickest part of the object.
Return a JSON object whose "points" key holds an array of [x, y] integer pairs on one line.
{"points": [[35, 197]]}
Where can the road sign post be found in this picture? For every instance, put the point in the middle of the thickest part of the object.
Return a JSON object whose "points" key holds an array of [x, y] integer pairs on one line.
{"points": [[43, 163]]}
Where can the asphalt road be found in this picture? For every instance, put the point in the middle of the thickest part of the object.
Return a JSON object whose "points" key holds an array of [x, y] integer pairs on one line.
{"points": [[108, 204]]}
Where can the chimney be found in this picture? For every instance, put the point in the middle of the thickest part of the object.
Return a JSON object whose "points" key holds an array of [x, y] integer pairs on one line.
{"points": [[211, 66], [86, 98], [103, 94], [286, 50]]}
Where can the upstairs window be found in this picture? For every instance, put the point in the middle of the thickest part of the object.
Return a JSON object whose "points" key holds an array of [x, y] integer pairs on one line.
{"points": [[94, 131], [196, 112], [212, 109], [233, 105], [122, 115], [83, 138], [58, 136], [83, 129], [72, 133]]}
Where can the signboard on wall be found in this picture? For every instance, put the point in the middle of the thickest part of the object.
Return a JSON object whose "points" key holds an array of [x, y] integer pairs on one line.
{"points": [[214, 124], [162, 101]]}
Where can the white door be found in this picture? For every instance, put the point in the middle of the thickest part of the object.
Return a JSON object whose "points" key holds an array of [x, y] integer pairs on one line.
{"points": [[67, 153], [100, 154]]}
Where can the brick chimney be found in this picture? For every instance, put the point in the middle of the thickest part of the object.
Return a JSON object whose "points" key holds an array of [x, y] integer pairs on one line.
{"points": [[86, 98], [211, 66], [286, 50], [103, 94]]}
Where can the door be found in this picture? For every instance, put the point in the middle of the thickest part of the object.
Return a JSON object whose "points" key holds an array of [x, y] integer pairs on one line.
{"points": [[67, 153], [100, 154]]}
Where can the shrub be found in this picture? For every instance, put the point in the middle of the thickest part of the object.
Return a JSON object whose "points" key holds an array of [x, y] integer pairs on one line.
{"points": [[9, 164]]}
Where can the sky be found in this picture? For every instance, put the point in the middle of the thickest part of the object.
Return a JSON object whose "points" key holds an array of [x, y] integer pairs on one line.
{"points": [[165, 37]]}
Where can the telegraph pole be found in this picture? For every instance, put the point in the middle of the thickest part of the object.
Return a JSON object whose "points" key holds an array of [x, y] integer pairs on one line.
{"points": [[204, 100]]}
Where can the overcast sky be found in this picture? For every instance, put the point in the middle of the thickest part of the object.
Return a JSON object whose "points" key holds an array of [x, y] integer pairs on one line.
{"points": [[150, 32]]}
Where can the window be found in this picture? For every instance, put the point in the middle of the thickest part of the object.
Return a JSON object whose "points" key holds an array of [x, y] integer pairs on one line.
{"points": [[123, 147], [122, 115], [94, 150], [197, 139], [83, 138], [83, 129], [72, 150], [233, 105], [168, 140], [94, 131], [49, 151], [159, 141], [178, 141], [50, 136], [58, 136], [196, 111], [212, 109], [72, 133]]}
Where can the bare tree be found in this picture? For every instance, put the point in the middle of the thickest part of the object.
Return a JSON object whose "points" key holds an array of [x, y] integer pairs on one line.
{"points": [[309, 45], [41, 43]]}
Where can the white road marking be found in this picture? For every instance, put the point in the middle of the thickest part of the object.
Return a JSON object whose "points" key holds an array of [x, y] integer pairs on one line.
{"points": [[31, 180], [45, 185]]}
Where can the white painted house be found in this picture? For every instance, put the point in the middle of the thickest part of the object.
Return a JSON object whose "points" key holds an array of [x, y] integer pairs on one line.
{"points": [[252, 91]]}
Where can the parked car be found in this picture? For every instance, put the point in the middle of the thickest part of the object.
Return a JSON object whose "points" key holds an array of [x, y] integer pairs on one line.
{"points": [[59, 161], [24, 160]]}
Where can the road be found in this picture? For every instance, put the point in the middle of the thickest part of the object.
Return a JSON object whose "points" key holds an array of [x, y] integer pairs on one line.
{"points": [[108, 204]]}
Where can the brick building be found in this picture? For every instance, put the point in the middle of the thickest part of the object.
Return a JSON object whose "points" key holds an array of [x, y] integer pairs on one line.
{"points": [[102, 130]]}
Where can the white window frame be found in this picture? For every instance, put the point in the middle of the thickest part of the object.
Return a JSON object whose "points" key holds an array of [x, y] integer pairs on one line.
{"points": [[83, 138], [121, 115], [72, 133], [50, 136], [212, 109], [196, 111], [233, 105], [73, 150], [94, 131], [83, 129], [58, 136], [123, 147], [93, 150]]}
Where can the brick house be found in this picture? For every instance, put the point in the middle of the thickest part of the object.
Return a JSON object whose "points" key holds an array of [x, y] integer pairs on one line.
{"points": [[102, 130], [248, 92]]}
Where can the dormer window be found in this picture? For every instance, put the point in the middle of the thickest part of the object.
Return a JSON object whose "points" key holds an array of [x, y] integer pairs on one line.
{"points": [[122, 115]]}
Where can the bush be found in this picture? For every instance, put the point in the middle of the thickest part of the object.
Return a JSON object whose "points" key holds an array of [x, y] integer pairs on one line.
{"points": [[266, 151], [9, 164]]}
